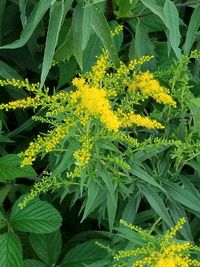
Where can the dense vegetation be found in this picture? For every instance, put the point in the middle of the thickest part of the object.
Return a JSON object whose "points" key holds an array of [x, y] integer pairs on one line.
{"points": [[100, 133]]}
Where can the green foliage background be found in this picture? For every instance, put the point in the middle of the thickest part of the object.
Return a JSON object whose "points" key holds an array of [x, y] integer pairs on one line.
{"points": [[51, 41]]}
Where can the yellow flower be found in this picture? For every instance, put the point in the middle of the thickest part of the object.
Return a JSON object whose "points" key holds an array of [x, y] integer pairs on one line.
{"points": [[145, 82], [130, 118], [95, 102]]}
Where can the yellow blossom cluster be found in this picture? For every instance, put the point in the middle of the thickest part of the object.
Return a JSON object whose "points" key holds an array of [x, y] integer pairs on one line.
{"points": [[46, 143], [95, 102], [130, 118], [166, 253], [33, 87], [149, 86]]}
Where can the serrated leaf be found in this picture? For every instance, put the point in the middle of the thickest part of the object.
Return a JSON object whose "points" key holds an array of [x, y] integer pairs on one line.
{"points": [[10, 169], [10, 250], [47, 246], [102, 29], [55, 22], [37, 14], [37, 217], [85, 253]]}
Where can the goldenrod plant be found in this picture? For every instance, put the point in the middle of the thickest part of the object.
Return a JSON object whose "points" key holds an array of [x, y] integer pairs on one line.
{"points": [[158, 250]]}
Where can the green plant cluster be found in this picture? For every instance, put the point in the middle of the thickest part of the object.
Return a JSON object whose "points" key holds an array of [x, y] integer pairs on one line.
{"points": [[99, 126]]}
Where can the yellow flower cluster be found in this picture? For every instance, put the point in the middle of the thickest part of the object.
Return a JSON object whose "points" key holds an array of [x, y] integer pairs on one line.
{"points": [[29, 102], [145, 82], [130, 118], [95, 102], [99, 69], [33, 87], [166, 253], [47, 143], [133, 63], [117, 30]]}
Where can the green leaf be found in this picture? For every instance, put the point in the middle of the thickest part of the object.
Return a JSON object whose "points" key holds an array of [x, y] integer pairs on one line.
{"points": [[192, 30], [47, 246], [92, 193], [142, 174], [172, 23], [130, 235], [66, 50], [10, 169], [157, 204], [37, 14], [77, 22], [131, 208], [7, 72], [4, 192], [10, 250], [55, 22], [182, 196], [155, 9], [87, 25], [177, 212], [112, 195], [37, 217], [33, 263], [102, 29], [85, 253], [3, 220]]}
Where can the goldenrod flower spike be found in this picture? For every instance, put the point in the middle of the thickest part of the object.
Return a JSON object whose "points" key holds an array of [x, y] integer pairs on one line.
{"points": [[159, 251]]}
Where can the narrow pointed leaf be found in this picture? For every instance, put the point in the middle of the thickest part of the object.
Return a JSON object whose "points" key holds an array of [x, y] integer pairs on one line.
{"points": [[55, 22], [102, 29], [37, 14]]}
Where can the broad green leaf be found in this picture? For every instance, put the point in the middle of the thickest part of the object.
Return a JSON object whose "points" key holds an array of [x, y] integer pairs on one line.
{"points": [[192, 30], [55, 22], [157, 204], [155, 9], [3, 220], [33, 263], [102, 29], [87, 25], [182, 196], [10, 250], [37, 217], [6, 72], [172, 23], [37, 14], [77, 22], [47, 246], [10, 168], [85, 253]]}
